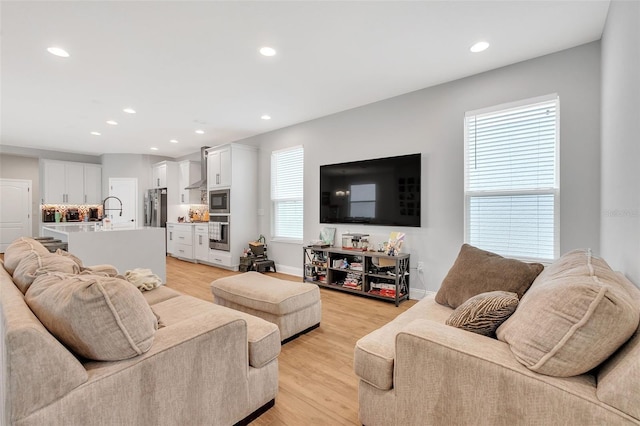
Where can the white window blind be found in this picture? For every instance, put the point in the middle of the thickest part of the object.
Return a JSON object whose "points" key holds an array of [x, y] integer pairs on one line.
{"points": [[511, 179], [287, 167]]}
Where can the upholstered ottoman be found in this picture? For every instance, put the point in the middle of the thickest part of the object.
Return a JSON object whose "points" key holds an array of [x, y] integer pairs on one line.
{"points": [[294, 307]]}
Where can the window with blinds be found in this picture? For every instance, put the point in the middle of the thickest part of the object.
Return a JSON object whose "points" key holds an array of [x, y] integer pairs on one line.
{"points": [[287, 168], [511, 179]]}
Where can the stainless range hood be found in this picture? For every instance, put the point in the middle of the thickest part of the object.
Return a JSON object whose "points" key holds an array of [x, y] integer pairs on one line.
{"points": [[202, 183]]}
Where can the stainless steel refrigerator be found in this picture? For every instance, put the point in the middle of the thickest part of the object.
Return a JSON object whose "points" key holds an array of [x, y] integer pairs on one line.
{"points": [[155, 207]]}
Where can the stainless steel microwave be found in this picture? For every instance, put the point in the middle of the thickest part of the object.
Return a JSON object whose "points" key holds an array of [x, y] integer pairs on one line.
{"points": [[219, 201]]}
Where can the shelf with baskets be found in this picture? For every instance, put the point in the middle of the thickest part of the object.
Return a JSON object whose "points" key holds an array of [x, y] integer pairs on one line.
{"points": [[369, 274]]}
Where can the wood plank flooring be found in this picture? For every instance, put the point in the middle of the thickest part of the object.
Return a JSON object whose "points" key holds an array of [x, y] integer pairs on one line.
{"points": [[317, 382]]}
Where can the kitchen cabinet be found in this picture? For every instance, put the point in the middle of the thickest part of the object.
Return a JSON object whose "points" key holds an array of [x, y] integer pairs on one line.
{"points": [[219, 167], [92, 184], [189, 172], [171, 244], [234, 166], [66, 182], [180, 239], [201, 242], [159, 175]]}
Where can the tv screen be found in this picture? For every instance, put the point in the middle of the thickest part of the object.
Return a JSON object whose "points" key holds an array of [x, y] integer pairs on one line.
{"points": [[383, 191]]}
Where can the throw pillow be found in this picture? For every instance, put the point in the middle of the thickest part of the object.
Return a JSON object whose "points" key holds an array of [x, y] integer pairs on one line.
{"points": [[478, 271], [483, 314], [76, 259], [97, 317], [34, 263], [17, 249], [576, 314]]}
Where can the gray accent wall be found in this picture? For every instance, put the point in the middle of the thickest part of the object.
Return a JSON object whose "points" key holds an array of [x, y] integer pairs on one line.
{"points": [[620, 230], [430, 121]]}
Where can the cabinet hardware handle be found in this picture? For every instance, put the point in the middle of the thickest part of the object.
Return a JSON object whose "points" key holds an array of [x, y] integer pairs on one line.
{"points": [[200, 239], [170, 236]]}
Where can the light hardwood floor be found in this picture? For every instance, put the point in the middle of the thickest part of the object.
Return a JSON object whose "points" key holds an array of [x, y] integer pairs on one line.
{"points": [[317, 383]]}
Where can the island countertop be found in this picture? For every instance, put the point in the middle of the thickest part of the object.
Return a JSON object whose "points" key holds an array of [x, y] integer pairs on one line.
{"points": [[127, 248]]}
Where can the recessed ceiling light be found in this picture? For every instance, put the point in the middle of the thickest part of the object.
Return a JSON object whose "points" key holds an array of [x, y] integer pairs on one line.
{"points": [[58, 52], [96, 133], [200, 132], [112, 122], [173, 141], [153, 148], [267, 51], [266, 117], [129, 110], [479, 46]]}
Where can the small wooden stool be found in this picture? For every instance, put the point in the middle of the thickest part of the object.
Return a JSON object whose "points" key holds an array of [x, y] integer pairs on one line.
{"points": [[264, 265]]}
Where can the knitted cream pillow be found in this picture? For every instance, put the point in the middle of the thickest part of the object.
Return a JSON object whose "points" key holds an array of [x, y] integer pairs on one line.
{"points": [[99, 318], [483, 313], [575, 315], [17, 249]]}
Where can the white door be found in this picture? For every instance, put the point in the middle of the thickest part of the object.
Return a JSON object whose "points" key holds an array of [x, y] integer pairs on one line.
{"points": [[126, 190], [15, 211]]}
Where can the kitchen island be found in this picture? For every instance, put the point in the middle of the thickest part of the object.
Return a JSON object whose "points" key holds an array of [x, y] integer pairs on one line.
{"points": [[129, 248]]}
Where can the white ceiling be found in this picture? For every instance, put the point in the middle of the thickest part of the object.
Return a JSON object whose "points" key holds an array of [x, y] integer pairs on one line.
{"points": [[187, 65]]}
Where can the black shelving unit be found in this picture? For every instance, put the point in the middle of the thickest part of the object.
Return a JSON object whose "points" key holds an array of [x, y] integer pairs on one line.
{"points": [[365, 273]]}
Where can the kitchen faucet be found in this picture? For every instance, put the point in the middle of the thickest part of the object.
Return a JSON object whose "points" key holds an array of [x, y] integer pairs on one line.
{"points": [[104, 205]]}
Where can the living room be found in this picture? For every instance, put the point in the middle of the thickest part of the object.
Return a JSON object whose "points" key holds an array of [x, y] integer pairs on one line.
{"points": [[596, 83]]}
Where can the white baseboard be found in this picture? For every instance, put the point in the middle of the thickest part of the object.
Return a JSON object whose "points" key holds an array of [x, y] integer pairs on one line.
{"points": [[417, 293], [290, 270]]}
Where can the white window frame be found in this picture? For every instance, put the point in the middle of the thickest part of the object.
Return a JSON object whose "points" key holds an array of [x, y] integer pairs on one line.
{"points": [[274, 202], [554, 190]]}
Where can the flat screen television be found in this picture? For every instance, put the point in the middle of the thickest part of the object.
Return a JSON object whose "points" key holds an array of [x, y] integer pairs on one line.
{"points": [[383, 191]]}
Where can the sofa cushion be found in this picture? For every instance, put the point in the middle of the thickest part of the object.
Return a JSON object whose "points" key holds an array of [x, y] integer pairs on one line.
{"points": [[478, 271], [36, 368], [483, 313], [99, 318], [159, 294], [34, 263], [17, 249], [619, 376], [374, 354], [576, 314], [263, 337], [73, 257]]}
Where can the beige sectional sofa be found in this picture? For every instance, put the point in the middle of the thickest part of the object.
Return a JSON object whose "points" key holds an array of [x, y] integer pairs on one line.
{"points": [[196, 362], [417, 370]]}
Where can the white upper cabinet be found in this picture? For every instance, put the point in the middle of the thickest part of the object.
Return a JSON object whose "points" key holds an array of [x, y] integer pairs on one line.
{"points": [[219, 168], [92, 184], [66, 182], [159, 175]]}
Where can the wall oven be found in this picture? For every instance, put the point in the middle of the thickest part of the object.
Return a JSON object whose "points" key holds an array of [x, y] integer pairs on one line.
{"points": [[219, 201], [219, 232]]}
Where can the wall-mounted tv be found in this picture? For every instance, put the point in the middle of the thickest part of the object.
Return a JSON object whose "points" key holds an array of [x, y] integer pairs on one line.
{"points": [[383, 191]]}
